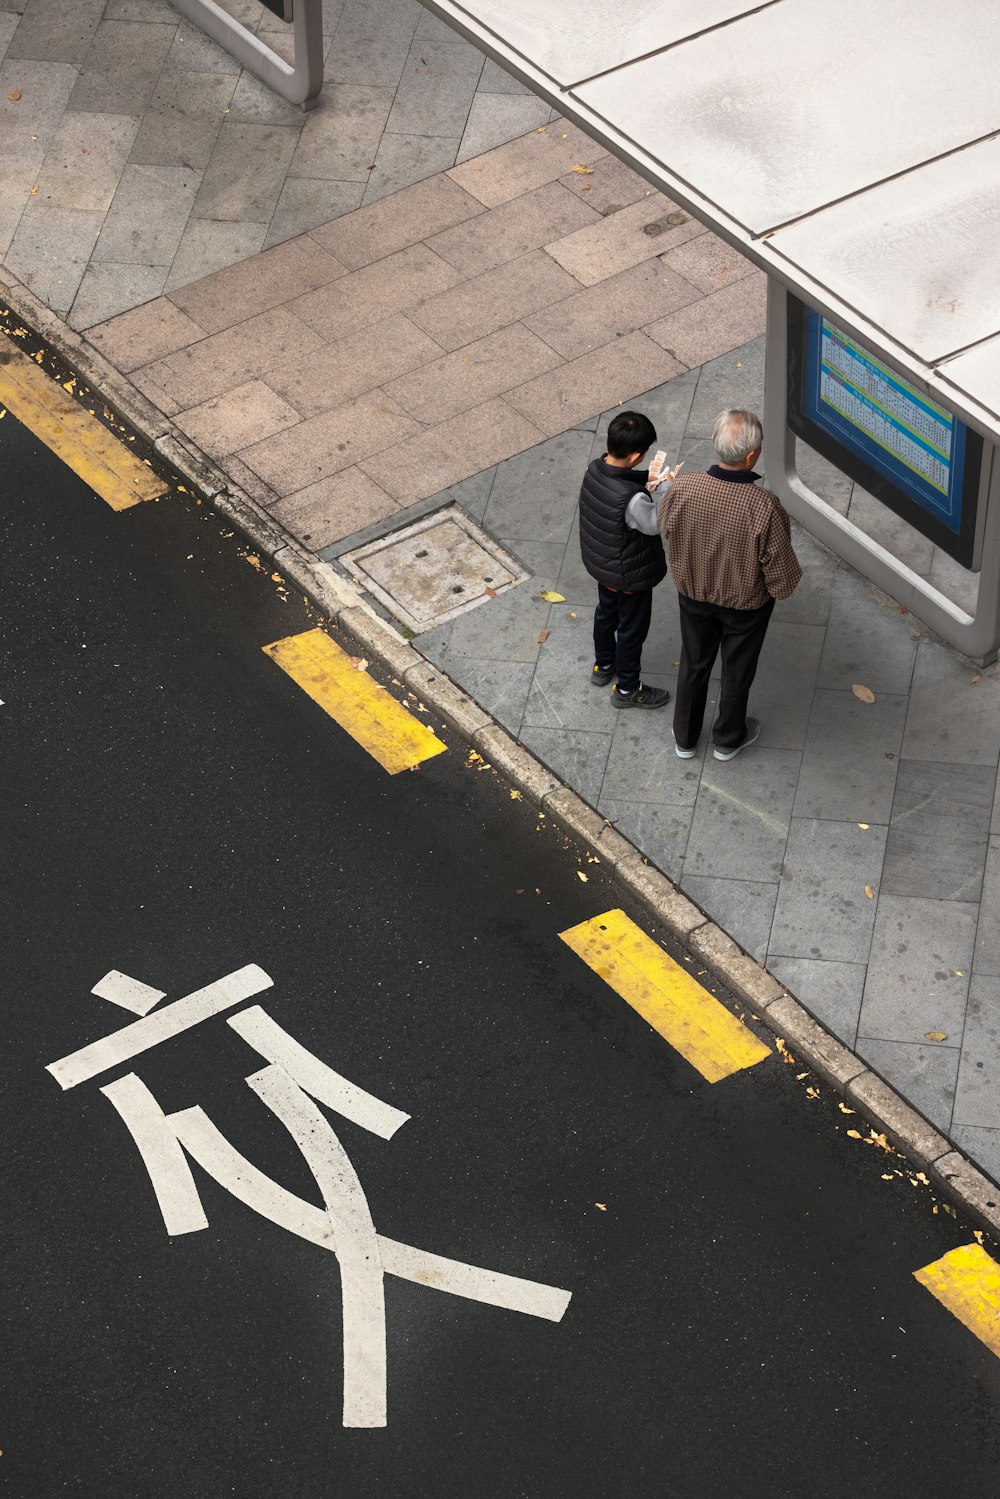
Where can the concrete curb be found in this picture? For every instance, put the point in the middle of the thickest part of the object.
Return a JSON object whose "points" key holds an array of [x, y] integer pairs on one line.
{"points": [[342, 604]]}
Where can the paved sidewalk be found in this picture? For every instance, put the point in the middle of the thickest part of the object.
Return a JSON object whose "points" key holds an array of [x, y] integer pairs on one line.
{"points": [[465, 338], [137, 155], [839, 797]]}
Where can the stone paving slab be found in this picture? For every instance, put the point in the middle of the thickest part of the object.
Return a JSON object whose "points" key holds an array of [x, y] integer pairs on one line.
{"points": [[402, 102]]}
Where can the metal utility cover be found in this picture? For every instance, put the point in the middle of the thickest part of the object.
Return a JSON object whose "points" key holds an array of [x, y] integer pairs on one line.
{"points": [[434, 570]]}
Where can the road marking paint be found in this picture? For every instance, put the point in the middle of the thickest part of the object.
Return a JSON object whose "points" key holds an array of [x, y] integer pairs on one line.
{"points": [[362, 1288], [666, 996], [321, 1082], [180, 1016], [508, 1291], [372, 716], [207, 1145], [79, 439], [967, 1282], [161, 1154], [131, 994]]}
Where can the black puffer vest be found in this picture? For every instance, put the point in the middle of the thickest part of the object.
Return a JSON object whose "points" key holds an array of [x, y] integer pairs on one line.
{"points": [[612, 552]]}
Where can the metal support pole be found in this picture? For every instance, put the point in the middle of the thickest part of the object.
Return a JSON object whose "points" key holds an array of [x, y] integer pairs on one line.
{"points": [[975, 635], [299, 82]]}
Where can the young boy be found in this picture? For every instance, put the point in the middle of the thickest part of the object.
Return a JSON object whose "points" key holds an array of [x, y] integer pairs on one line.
{"points": [[621, 548]]}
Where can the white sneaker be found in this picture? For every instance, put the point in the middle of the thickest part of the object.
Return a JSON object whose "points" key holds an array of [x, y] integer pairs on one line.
{"points": [[683, 754], [753, 732]]}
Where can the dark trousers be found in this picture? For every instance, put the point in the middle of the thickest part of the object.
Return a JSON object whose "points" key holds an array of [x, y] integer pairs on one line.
{"points": [[621, 624], [705, 629]]}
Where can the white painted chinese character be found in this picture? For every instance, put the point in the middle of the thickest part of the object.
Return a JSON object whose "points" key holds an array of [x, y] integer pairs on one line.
{"points": [[291, 1086]]}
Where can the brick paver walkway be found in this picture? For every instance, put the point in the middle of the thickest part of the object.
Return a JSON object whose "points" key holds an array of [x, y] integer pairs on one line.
{"points": [[137, 155], [413, 343]]}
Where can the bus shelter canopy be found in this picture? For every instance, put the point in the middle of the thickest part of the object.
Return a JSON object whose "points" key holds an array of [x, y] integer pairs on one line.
{"points": [[852, 150]]}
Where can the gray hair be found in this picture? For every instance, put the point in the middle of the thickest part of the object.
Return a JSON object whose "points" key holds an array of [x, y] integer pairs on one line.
{"points": [[736, 434]]}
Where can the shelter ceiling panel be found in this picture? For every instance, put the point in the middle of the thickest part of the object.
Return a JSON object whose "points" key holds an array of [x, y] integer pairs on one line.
{"points": [[977, 373], [917, 256], [570, 42], [799, 104]]}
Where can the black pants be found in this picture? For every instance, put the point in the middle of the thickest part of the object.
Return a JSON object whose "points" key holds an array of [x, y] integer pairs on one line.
{"points": [[621, 624], [740, 634]]}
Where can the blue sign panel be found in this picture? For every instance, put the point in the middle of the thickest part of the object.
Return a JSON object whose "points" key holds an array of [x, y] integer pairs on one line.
{"points": [[911, 454], [915, 444]]}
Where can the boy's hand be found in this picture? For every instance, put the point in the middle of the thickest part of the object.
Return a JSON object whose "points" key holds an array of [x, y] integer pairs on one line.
{"points": [[666, 477]]}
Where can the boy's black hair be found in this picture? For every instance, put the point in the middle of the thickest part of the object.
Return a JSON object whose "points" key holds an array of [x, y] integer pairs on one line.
{"points": [[630, 432]]}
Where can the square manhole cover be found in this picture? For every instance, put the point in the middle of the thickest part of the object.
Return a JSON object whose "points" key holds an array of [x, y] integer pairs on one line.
{"points": [[435, 569]]}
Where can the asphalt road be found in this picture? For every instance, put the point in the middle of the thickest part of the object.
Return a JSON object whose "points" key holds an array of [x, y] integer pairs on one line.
{"points": [[744, 1318]]}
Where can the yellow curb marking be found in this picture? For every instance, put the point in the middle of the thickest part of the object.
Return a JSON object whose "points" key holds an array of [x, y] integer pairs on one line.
{"points": [[665, 995], [372, 716], [967, 1282], [79, 439]]}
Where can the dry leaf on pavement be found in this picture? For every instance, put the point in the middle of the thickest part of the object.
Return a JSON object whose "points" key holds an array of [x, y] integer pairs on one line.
{"points": [[543, 636], [15, 94], [551, 597], [869, 892], [863, 694], [935, 1035], [490, 593], [584, 171]]}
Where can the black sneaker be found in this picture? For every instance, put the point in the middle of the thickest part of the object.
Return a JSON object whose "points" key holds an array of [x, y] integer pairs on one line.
{"points": [[642, 697], [602, 675], [753, 732]]}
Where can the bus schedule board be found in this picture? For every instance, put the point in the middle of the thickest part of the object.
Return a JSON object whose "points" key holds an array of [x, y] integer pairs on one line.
{"points": [[911, 454]]}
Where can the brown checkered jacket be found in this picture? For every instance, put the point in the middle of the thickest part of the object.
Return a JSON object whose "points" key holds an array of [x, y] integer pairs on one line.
{"points": [[728, 541]]}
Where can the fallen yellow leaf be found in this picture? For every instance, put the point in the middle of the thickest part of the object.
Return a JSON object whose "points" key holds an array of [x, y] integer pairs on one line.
{"points": [[864, 825], [581, 876], [936, 1035], [869, 892], [551, 597], [515, 796], [863, 694], [854, 1134], [584, 171], [602, 1205], [15, 94]]}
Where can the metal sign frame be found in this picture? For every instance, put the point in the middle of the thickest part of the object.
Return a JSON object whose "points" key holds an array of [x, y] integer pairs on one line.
{"points": [[976, 635], [299, 82]]}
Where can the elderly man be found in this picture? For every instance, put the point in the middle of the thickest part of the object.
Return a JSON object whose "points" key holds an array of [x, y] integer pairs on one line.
{"points": [[728, 540]]}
